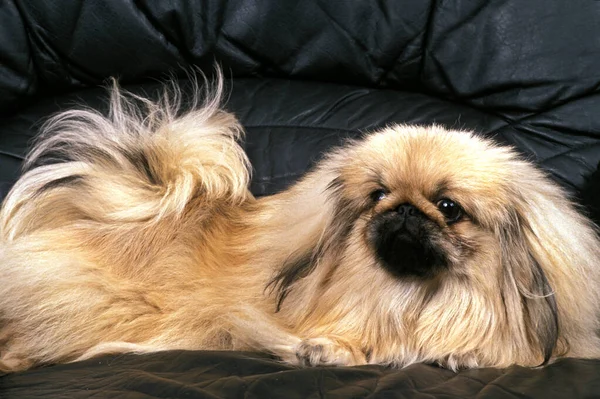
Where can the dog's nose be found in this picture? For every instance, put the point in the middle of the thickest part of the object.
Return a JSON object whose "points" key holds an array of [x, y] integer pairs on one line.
{"points": [[407, 210], [409, 218]]}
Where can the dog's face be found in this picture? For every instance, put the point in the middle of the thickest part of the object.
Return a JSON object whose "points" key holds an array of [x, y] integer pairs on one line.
{"points": [[437, 231], [424, 200]]}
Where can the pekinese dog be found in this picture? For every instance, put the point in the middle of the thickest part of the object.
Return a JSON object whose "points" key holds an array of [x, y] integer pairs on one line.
{"points": [[136, 232]]}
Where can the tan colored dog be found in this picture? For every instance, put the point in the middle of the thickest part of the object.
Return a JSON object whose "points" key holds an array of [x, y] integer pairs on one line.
{"points": [[136, 233]]}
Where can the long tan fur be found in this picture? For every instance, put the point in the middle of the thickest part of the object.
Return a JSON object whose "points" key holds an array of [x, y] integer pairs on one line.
{"points": [[135, 232]]}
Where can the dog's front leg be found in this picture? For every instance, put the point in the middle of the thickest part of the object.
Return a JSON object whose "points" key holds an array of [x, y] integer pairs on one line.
{"points": [[325, 351]]}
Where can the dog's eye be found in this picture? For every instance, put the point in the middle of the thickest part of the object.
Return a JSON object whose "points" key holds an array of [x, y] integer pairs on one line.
{"points": [[378, 195], [450, 209]]}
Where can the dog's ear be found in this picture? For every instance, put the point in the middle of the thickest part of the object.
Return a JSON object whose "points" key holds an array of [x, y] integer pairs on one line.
{"points": [[550, 257], [328, 243], [297, 266], [527, 294]]}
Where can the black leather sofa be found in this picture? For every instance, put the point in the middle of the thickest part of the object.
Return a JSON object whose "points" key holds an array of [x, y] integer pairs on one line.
{"points": [[302, 77]]}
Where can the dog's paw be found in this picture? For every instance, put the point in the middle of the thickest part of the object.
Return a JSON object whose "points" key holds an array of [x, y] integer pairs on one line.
{"points": [[328, 352], [11, 363]]}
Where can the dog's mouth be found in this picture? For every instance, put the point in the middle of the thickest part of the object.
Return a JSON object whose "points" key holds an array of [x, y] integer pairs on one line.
{"points": [[404, 244]]}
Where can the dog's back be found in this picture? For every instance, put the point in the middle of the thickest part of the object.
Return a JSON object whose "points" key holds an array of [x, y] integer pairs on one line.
{"points": [[102, 213]]}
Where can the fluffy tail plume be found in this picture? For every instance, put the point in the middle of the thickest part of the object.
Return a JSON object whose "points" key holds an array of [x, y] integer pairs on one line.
{"points": [[141, 162]]}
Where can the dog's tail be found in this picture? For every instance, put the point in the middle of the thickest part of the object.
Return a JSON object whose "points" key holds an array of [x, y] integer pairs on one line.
{"points": [[143, 161]]}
